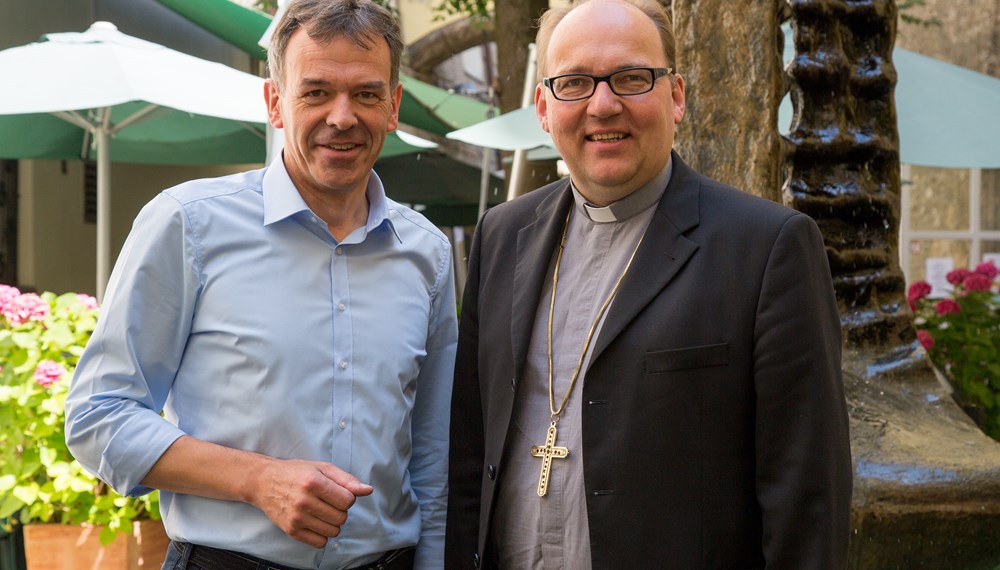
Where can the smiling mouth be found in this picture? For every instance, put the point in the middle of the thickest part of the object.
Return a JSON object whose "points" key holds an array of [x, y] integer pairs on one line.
{"points": [[607, 137], [340, 146]]}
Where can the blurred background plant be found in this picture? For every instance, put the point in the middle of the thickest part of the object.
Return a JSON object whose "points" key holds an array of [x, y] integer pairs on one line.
{"points": [[41, 339], [961, 333]]}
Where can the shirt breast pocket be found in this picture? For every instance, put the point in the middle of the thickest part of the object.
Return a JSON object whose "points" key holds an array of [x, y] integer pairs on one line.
{"points": [[689, 358]]}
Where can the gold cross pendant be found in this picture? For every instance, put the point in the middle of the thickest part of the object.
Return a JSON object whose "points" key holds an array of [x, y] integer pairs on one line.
{"points": [[547, 452]]}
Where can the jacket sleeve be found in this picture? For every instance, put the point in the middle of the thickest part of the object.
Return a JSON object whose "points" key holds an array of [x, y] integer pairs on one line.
{"points": [[467, 446], [803, 456]]}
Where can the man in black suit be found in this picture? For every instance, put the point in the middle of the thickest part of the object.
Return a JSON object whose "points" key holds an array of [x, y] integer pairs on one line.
{"points": [[648, 367]]}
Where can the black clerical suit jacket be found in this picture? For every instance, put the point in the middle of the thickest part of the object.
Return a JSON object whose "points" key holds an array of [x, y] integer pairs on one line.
{"points": [[714, 422]]}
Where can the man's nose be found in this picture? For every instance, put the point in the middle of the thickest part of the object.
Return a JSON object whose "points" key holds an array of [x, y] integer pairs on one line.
{"points": [[341, 115], [604, 102]]}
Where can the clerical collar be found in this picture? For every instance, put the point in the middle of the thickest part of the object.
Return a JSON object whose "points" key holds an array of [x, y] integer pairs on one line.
{"points": [[636, 202]]}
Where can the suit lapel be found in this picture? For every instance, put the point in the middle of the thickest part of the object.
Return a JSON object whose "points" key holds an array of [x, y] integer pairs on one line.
{"points": [[535, 244], [663, 252]]}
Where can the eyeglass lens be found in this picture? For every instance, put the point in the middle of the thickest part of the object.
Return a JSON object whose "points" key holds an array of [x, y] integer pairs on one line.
{"points": [[624, 82]]}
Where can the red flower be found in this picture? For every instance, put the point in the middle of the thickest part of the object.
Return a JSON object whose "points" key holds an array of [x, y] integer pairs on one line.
{"points": [[917, 291], [947, 306], [957, 276], [926, 339], [977, 282], [988, 269]]}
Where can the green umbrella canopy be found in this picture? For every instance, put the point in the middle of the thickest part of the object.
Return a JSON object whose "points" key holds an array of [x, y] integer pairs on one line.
{"points": [[444, 190], [166, 137]]}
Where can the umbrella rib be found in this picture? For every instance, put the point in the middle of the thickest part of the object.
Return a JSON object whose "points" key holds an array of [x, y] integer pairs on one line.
{"points": [[134, 118], [75, 118], [260, 134]]}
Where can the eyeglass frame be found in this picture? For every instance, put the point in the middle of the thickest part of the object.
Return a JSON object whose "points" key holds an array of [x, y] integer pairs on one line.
{"points": [[656, 72]]}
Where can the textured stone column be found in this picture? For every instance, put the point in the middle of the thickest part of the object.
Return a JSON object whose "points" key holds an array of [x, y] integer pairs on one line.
{"points": [[729, 54], [927, 481]]}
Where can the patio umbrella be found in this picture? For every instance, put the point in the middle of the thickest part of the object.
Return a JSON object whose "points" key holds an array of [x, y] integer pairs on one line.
{"points": [[105, 94]]}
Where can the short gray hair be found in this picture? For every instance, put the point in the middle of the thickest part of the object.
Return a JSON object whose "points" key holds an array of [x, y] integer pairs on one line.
{"points": [[362, 21]]}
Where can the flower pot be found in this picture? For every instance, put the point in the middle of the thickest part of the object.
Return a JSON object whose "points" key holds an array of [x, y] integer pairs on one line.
{"points": [[67, 547]]}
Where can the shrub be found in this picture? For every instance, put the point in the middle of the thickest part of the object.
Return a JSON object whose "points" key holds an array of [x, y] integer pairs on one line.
{"points": [[41, 339]]}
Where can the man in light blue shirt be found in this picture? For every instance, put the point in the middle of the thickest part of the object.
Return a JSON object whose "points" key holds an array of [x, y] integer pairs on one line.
{"points": [[296, 327]]}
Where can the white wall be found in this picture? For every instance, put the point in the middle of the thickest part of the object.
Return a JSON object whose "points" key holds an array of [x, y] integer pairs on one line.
{"points": [[57, 250]]}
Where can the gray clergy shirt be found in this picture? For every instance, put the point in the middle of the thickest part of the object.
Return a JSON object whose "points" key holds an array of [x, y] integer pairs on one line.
{"points": [[551, 532]]}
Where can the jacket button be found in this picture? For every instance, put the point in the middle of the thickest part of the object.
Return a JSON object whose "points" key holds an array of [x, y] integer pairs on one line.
{"points": [[491, 472], [475, 560]]}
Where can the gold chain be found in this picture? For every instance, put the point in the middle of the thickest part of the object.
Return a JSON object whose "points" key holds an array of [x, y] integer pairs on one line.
{"points": [[593, 327]]}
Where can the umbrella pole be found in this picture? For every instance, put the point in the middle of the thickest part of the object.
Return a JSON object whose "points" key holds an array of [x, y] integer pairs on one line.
{"points": [[102, 137], [514, 189]]}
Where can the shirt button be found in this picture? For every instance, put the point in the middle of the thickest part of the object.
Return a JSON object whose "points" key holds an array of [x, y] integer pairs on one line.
{"points": [[342, 424], [343, 364], [341, 307], [491, 472], [340, 251], [335, 545]]}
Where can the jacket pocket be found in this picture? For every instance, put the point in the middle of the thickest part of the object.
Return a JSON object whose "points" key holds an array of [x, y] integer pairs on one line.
{"points": [[687, 358]]}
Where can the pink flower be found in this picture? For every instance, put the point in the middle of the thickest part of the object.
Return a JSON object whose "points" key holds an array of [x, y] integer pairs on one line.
{"points": [[977, 282], [947, 306], [7, 294], [988, 269], [89, 302], [926, 339], [48, 373], [26, 307], [957, 276]]}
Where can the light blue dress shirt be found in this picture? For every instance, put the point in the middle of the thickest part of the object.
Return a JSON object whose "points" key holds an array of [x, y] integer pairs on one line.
{"points": [[235, 311]]}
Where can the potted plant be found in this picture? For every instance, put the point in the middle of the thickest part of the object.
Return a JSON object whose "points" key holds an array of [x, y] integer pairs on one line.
{"points": [[961, 333], [41, 339]]}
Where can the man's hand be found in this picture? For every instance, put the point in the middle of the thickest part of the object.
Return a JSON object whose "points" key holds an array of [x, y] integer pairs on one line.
{"points": [[307, 499]]}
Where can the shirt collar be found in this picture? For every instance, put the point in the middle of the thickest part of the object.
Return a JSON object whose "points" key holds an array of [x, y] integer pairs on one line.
{"points": [[629, 206], [282, 200]]}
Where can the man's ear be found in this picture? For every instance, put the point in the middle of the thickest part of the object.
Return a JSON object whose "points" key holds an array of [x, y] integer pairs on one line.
{"points": [[273, 100], [397, 99], [677, 94], [541, 108]]}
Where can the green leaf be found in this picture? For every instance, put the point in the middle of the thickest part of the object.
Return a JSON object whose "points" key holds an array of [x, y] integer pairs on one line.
{"points": [[108, 535], [7, 483], [26, 493], [9, 506], [25, 340], [58, 335]]}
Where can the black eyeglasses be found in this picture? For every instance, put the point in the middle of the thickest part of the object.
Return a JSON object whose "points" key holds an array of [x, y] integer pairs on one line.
{"points": [[625, 82]]}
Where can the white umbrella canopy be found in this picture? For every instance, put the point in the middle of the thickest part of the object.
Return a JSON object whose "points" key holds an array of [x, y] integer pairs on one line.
{"points": [[110, 86]]}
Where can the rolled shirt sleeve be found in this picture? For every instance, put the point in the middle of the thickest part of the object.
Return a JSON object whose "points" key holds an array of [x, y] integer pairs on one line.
{"points": [[113, 422]]}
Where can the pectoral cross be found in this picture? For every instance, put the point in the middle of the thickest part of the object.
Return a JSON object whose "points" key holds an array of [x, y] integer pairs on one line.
{"points": [[547, 452]]}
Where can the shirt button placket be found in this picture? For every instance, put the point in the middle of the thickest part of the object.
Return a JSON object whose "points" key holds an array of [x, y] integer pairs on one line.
{"points": [[342, 373]]}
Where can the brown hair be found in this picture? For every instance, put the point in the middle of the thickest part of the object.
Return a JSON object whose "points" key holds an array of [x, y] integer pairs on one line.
{"points": [[651, 8], [362, 21]]}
